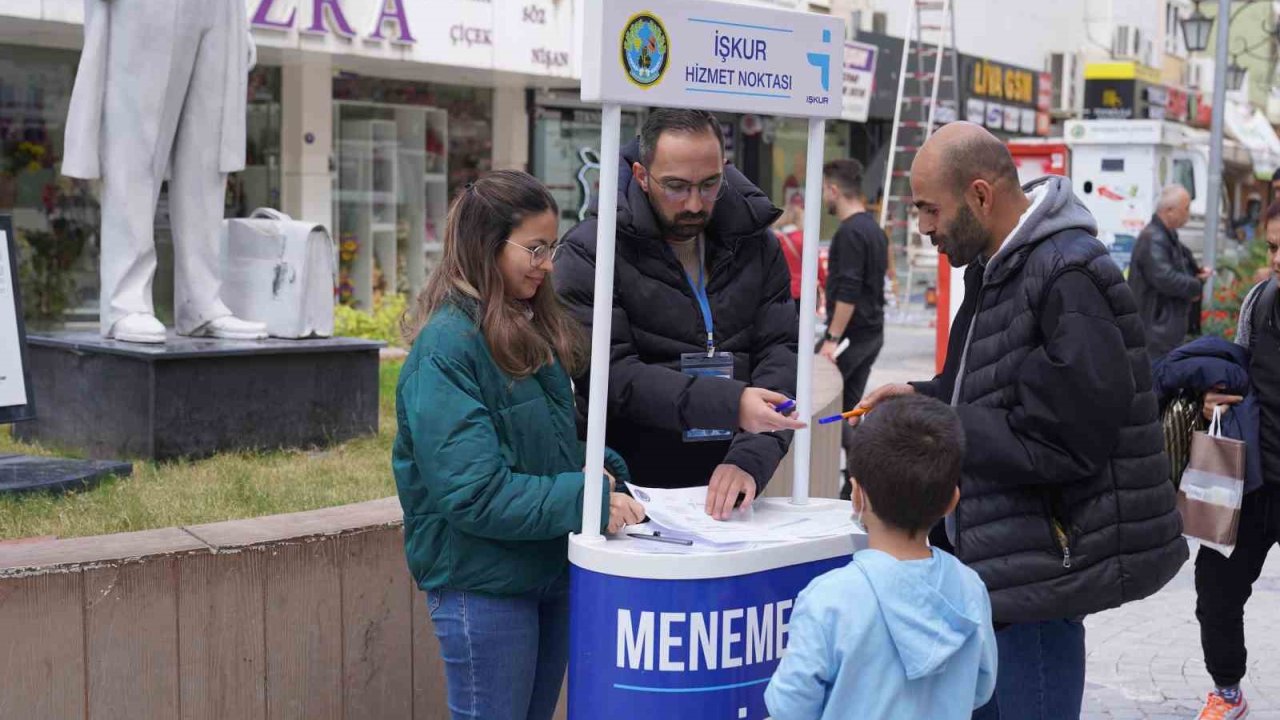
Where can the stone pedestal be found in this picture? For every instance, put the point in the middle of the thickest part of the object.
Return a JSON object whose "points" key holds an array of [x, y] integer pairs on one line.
{"points": [[191, 398], [23, 472]]}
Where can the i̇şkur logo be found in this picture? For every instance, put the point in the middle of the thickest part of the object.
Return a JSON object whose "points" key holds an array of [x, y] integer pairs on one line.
{"points": [[645, 53]]}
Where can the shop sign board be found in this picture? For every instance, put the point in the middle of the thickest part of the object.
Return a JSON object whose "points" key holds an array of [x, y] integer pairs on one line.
{"points": [[15, 380], [1110, 99], [533, 37], [975, 111], [1115, 132], [683, 53], [999, 95], [859, 80]]}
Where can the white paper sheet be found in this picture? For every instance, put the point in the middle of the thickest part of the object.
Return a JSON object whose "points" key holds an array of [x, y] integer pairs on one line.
{"points": [[768, 520]]}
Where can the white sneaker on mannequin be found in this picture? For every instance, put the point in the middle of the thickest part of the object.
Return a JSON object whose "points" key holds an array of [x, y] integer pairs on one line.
{"points": [[230, 327], [138, 328]]}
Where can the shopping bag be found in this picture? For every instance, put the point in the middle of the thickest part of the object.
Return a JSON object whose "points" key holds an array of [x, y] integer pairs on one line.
{"points": [[1212, 488], [281, 272]]}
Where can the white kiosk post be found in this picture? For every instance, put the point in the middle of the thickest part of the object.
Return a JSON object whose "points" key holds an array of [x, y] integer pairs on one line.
{"points": [[698, 632]]}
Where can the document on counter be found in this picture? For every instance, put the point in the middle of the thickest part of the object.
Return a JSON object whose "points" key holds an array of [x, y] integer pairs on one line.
{"points": [[683, 510], [697, 544]]}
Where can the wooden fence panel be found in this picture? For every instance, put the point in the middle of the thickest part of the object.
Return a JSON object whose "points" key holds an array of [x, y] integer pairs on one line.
{"points": [[42, 647], [221, 653], [131, 637], [377, 627], [304, 644]]}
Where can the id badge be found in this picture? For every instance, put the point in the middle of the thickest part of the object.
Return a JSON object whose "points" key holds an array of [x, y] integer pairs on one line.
{"points": [[719, 365]]}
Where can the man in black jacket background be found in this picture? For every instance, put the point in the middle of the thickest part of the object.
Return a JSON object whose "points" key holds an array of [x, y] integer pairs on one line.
{"points": [[704, 327], [1165, 278], [1065, 504]]}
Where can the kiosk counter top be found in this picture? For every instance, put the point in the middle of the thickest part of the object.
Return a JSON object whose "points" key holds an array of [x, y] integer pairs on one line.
{"points": [[624, 556]]}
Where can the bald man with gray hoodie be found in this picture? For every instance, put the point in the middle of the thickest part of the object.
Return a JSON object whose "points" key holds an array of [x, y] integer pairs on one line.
{"points": [[1065, 503]]}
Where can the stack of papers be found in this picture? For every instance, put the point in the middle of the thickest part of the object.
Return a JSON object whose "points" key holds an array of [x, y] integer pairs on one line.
{"points": [[681, 513]]}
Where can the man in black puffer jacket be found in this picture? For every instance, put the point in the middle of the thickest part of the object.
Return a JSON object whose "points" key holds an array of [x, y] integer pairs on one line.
{"points": [[692, 384], [1065, 503]]}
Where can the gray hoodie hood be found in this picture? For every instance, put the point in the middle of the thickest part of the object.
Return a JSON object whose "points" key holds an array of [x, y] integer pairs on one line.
{"points": [[1058, 210]]}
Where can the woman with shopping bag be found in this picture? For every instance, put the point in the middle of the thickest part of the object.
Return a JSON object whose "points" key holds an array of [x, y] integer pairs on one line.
{"points": [[1224, 583]]}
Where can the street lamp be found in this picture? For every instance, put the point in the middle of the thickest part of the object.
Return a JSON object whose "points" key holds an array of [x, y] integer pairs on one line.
{"points": [[1235, 76], [1196, 34], [1196, 29]]}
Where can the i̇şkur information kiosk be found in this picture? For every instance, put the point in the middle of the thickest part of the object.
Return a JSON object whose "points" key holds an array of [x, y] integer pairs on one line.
{"points": [[695, 631]]}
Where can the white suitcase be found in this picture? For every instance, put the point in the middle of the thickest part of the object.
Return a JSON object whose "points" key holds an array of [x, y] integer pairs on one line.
{"points": [[279, 271]]}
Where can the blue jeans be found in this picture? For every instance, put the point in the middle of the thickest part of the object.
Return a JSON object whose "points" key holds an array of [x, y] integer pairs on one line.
{"points": [[1041, 672], [504, 657]]}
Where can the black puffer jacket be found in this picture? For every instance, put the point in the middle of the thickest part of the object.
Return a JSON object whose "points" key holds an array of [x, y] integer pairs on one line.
{"points": [[656, 318], [1165, 286], [1065, 503]]}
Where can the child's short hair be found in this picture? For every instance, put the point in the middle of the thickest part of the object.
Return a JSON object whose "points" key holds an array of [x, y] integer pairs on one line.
{"points": [[906, 455]]}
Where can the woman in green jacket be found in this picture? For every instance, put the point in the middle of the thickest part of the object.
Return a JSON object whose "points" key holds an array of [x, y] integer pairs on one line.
{"points": [[487, 459]]}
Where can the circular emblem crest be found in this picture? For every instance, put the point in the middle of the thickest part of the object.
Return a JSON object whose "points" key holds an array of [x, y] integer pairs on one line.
{"points": [[645, 53]]}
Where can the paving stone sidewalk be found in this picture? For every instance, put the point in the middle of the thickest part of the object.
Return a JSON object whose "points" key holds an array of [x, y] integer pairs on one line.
{"points": [[1145, 661]]}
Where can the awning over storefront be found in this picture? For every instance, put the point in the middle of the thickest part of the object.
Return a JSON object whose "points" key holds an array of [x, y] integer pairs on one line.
{"points": [[1249, 126]]}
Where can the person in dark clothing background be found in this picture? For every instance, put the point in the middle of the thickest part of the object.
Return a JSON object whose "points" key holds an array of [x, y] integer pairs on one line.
{"points": [[704, 327], [1065, 502], [1223, 585], [1164, 276], [855, 279]]}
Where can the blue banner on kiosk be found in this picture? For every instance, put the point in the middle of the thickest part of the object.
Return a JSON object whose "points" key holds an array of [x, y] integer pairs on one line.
{"points": [[646, 648]]}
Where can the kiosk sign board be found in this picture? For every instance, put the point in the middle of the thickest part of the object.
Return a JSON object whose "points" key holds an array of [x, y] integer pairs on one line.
{"points": [[15, 381], [712, 55], [689, 648]]}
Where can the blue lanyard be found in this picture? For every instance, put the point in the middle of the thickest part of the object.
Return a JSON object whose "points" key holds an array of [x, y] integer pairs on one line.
{"points": [[704, 304]]}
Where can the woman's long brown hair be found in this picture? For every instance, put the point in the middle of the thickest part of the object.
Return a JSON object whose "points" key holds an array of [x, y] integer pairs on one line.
{"points": [[480, 221]]}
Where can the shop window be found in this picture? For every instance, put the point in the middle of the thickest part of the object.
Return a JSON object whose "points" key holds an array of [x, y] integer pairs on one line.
{"points": [[1184, 173], [258, 185], [788, 150], [566, 156], [402, 150], [55, 219]]}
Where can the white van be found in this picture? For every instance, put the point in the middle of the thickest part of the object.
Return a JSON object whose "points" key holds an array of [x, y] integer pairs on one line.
{"points": [[1119, 166]]}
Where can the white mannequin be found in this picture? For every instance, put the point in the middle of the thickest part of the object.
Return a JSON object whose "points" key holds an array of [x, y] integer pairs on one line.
{"points": [[167, 101]]}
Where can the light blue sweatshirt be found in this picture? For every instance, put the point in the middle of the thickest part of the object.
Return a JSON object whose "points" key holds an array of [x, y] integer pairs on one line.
{"points": [[881, 639]]}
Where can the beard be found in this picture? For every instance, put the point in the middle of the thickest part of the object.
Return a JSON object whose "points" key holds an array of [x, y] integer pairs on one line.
{"points": [[682, 225], [964, 240]]}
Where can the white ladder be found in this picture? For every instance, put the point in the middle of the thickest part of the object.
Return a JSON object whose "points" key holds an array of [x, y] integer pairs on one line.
{"points": [[930, 39]]}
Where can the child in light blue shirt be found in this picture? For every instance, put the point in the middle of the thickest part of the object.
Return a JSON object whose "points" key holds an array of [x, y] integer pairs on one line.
{"points": [[904, 630]]}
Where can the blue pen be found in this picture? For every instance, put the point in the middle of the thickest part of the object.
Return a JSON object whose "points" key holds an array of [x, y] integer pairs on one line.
{"points": [[785, 407]]}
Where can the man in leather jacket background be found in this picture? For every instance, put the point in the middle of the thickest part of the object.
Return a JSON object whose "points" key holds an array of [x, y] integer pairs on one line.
{"points": [[1165, 277]]}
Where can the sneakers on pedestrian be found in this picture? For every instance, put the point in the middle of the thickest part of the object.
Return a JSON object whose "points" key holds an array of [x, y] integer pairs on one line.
{"points": [[1217, 707]]}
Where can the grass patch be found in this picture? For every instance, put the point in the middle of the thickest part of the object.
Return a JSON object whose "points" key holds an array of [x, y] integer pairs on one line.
{"points": [[225, 487]]}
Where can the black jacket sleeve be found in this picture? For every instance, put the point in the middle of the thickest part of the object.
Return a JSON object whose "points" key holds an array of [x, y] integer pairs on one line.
{"points": [[773, 366], [1073, 394], [652, 395], [1162, 264]]}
